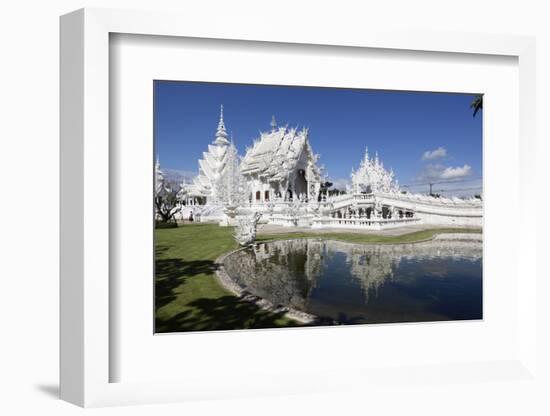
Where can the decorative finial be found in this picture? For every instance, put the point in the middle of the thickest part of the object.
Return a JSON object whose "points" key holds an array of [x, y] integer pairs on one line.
{"points": [[221, 133], [273, 123], [221, 124]]}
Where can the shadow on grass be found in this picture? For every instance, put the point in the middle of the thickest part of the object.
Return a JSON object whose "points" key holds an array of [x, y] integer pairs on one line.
{"points": [[226, 312], [172, 273]]}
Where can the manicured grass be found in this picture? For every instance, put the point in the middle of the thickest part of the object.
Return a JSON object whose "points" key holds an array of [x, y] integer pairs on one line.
{"points": [[187, 295], [371, 238]]}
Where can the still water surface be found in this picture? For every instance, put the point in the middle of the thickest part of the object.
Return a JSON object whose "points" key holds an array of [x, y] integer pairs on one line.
{"points": [[349, 283]]}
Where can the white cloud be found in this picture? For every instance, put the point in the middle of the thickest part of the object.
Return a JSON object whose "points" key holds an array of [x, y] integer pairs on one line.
{"points": [[434, 172], [455, 173], [430, 173], [447, 181], [438, 153]]}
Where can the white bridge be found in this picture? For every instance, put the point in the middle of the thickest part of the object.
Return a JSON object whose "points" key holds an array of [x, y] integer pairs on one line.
{"points": [[372, 211]]}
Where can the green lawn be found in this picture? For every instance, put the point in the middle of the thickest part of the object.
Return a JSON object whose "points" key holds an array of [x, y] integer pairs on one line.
{"points": [[371, 238], [187, 295]]}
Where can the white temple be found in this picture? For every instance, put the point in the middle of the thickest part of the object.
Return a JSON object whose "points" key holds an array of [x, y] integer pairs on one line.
{"points": [[212, 165], [279, 178], [281, 166]]}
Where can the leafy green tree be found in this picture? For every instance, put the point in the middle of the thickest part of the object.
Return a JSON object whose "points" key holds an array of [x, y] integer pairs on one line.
{"points": [[324, 189]]}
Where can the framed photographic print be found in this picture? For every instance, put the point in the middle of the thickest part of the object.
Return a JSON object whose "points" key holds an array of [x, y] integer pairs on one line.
{"points": [[283, 212], [321, 243]]}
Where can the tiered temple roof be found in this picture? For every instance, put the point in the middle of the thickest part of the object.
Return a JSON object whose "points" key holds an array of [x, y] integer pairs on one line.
{"points": [[277, 152], [213, 163]]}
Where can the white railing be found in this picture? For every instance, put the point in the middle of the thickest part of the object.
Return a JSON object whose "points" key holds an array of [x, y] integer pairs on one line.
{"points": [[338, 198], [375, 223], [302, 219], [363, 197]]}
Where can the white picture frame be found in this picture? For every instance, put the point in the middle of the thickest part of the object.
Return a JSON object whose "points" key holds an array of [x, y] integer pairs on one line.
{"points": [[85, 212]]}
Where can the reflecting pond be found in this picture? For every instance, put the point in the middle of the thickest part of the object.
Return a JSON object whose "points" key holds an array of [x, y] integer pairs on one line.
{"points": [[352, 283]]}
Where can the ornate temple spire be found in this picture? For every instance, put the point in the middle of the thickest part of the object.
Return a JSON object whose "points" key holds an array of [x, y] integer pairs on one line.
{"points": [[372, 177], [159, 176], [273, 123], [221, 133]]}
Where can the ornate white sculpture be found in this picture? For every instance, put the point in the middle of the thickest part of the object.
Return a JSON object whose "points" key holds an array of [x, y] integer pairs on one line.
{"points": [[245, 231], [378, 209], [293, 210], [371, 177], [316, 210], [270, 208], [230, 214]]}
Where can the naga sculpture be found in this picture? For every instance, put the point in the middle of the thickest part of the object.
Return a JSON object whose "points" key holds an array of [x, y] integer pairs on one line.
{"points": [[245, 231]]}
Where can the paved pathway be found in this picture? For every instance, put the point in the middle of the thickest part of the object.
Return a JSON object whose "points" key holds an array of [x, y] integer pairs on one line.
{"points": [[279, 229]]}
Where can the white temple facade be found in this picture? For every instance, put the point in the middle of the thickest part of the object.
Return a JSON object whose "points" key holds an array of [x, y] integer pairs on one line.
{"points": [[281, 165], [279, 178]]}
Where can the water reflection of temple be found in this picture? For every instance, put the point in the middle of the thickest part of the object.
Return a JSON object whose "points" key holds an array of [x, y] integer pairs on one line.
{"points": [[282, 272], [286, 272], [372, 265]]}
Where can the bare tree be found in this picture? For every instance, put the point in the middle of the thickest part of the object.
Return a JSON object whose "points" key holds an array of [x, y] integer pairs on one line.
{"points": [[167, 204]]}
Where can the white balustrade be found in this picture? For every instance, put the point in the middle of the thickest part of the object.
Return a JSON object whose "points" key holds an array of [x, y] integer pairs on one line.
{"points": [[375, 224]]}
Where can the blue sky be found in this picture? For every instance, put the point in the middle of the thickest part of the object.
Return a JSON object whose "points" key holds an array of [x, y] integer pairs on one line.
{"points": [[425, 137]]}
